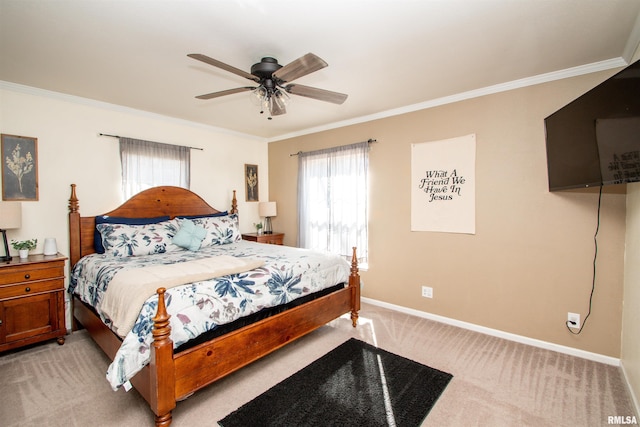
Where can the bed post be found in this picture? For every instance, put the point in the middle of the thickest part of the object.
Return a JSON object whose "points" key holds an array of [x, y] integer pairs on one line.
{"points": [[354, 284], [74, 227], [234, 204], [162, 376]]}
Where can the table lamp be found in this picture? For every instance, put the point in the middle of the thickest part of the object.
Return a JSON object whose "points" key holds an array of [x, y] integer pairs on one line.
{"points": [[267, 210], [10, 218]]}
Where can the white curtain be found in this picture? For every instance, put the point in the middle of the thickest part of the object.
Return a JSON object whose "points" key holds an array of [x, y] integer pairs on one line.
{"points": [[147, 164], [332, 200]]}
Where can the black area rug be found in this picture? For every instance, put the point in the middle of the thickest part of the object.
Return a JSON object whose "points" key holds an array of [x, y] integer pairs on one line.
{"points": [[355, 384]]}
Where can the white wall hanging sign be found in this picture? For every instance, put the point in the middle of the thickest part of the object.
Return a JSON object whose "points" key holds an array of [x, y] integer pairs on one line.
{"points": [[443, 185]]}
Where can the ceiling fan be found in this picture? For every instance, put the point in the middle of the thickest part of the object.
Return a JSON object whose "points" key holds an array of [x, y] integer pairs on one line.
{"points": [[273, 82]]}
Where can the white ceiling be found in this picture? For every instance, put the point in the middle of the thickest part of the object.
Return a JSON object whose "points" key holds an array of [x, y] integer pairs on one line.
{"points": [[389, 56]]}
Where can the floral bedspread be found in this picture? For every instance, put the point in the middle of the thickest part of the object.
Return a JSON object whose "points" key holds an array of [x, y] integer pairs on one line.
{"points": [[288, 273]]}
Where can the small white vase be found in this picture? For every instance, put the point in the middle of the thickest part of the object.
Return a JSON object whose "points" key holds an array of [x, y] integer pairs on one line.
{"points": [[50, 246], [24, 253]]}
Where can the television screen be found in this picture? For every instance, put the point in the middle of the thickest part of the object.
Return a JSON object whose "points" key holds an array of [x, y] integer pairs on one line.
{"points": [[595, 139]]}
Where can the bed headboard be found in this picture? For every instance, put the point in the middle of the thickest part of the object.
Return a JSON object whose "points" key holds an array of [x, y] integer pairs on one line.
{"points": [[154, 202]]}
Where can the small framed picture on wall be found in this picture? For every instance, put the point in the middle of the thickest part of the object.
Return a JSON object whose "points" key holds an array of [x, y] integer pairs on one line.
{"points": [[251, 182], [19, 168]]}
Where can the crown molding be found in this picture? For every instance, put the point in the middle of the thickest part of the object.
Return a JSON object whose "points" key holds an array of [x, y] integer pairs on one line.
{"points": [[489, 90], [29, 90]]}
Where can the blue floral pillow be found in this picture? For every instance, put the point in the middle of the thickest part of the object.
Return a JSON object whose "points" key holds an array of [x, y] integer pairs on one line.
{"points": [[104, 219], [125, 240], [220, 229]]}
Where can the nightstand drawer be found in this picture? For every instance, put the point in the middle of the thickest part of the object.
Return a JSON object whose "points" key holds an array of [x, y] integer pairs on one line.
{"points": [[272, 239], [30, 288], [29, 273]]}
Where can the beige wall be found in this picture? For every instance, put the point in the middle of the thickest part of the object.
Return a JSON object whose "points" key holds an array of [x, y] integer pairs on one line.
{"points": [[530, 261], [631, 314]]}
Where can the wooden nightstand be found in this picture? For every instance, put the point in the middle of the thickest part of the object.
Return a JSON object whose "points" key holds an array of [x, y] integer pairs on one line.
{"points": [[273, 238], [31, 300]]}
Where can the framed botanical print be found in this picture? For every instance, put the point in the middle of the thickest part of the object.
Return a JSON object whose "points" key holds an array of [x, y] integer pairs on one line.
{"points": [[251, 182], [19, 168]]}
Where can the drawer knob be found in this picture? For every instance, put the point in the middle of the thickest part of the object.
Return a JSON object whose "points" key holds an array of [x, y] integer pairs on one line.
{"points": [[27, 276], [27, 289]]}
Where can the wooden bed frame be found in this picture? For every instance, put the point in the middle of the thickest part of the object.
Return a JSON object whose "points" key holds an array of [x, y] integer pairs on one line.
{"points": [[171, 377]]}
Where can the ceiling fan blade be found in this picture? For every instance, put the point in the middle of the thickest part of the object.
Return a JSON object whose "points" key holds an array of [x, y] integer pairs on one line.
{"points": [[225, 92], [300, 67], [222, 65], [315, 93]]}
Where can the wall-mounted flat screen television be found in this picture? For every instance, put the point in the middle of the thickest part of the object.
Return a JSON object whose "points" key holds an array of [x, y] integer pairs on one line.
{"points": [[595, 139]]}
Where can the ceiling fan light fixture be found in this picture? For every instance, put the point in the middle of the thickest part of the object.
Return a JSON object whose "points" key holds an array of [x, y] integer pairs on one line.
{"points": [[265, 105], [281, 98], [259, 95]]}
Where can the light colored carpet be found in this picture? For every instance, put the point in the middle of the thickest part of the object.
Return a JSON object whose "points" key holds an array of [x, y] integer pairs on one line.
{"points": [[496, 382]]}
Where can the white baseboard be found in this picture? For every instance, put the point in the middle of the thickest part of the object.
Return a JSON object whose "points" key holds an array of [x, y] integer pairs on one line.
{"points": [[501, 334]]}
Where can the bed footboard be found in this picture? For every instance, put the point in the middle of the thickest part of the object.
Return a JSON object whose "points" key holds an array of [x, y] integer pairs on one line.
{"points": [[174, 377]]}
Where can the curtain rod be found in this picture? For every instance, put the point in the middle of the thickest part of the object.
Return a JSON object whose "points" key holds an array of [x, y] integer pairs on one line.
{"points": [[116, 136], [368, 141]]}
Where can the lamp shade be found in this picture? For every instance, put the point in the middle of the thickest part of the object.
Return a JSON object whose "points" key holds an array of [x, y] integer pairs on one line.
{"points": [[10, 215], [267, 209]]}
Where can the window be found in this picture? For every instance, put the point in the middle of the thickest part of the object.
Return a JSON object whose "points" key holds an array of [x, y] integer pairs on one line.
{"points": [[333, 189], [147, 164]]}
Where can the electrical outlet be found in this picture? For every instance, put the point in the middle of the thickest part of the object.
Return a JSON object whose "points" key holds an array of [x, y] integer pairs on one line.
{"points": [[573, 320], [427, 292]]}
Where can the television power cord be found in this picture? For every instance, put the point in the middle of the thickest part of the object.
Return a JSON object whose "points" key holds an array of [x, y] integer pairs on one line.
{"points": [[593, 281]]}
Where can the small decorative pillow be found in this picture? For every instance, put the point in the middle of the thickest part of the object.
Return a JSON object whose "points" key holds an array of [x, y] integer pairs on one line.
{"points": [[133, 240], [189, 236], [220, 229]]}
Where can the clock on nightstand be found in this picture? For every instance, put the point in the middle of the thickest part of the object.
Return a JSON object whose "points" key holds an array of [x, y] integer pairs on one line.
{"points": [[273, 238]]}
